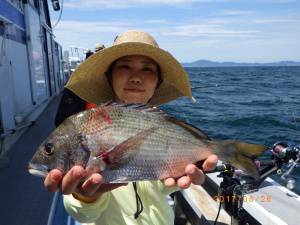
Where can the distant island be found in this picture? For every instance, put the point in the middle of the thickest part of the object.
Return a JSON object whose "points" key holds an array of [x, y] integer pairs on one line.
{"points": [[207, 63]]}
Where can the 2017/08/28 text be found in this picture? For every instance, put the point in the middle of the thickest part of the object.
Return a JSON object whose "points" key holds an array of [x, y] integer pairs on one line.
{"points": [[245, 198]]}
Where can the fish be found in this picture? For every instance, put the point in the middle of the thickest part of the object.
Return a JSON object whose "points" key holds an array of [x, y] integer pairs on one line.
{"points": [[127, 143]]}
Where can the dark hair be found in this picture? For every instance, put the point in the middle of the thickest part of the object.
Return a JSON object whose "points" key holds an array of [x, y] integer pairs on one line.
{"points": [[108, 74], [88, 54]]}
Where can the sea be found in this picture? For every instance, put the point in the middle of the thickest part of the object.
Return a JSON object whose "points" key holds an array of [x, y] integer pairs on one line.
{"points": [[252, 104]]}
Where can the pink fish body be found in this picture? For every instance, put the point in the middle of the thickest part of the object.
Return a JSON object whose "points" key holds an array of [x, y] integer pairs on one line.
{"points": [[134, 143]]}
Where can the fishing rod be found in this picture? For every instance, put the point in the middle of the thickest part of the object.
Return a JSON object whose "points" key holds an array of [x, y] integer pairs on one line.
{"points": [[235, 185]]}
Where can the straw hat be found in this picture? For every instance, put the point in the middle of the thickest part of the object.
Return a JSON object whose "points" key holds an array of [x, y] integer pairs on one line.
{"points": [[99, 47], [90, 83]]}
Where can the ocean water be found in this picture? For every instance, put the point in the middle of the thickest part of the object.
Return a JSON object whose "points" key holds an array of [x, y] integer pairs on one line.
{"points": [[253, 104]]}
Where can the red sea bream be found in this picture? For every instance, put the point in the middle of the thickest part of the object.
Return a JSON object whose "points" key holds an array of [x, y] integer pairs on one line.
{"points": [[134, 143]]}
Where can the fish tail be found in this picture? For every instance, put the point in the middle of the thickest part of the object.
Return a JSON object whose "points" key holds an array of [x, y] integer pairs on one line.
{"points": [[240, 155]]}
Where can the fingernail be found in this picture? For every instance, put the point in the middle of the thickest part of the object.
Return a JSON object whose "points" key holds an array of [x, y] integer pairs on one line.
{"points": [[77, 174], [95, 180], [192, 170], [55, 177]]}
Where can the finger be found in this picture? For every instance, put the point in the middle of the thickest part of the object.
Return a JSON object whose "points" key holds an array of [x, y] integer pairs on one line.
{"points": [[91, 185], [53, 180], [210, 163], [169, 182], [184, 182], [196, 175], [72, 179]]}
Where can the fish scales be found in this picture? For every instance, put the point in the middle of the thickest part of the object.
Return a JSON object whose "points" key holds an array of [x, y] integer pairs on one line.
{"points": [[131, 144], [152, 147]]}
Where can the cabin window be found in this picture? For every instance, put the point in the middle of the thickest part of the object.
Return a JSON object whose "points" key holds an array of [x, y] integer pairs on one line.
{"points": [[37, 55]]}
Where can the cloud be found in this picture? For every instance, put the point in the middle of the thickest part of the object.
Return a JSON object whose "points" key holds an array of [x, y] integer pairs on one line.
{"points": [[104, 4], [157, 21], [209, 30], [236, 13], [278, 20], [87, 33], [91, 27], [280, 1], [121, 4], [273, 1]]}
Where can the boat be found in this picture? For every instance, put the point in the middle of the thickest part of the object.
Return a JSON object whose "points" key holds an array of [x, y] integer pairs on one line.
{"points": [[31, 68]]}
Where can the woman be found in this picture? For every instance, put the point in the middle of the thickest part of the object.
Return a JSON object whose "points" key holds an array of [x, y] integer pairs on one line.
{"points": [[133, 70]]}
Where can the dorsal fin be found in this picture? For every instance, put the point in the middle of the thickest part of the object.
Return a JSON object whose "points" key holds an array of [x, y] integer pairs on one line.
{"points": [[198, 133], [139, 107]]}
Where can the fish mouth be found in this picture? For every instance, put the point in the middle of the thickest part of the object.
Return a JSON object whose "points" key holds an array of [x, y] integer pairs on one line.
{"points": [[38, 170]]}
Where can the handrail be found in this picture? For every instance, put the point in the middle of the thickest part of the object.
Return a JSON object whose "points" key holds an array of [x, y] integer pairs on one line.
{"points": [[12, 131], [52, 209]]}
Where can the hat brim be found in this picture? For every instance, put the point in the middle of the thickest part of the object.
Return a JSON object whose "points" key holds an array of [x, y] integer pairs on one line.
{"points": [[89, 82]]}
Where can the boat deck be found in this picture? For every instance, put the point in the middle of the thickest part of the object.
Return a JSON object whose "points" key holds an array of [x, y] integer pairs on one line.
{"points": [[24, 199], [271, 204]]}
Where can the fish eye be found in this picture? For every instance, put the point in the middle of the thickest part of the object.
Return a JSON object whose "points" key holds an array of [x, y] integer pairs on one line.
{"points": [[49, 149]]}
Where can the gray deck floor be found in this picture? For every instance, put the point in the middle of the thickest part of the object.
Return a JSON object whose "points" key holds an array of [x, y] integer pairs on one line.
{"points": [[24, 201]]}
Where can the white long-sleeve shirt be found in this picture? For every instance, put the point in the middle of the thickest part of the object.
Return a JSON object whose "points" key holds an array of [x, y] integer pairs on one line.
{"points": [[118, 206]]}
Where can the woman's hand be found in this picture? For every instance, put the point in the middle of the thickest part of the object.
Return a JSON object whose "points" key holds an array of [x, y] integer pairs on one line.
{"points": [[193, 174], [76, 182]]}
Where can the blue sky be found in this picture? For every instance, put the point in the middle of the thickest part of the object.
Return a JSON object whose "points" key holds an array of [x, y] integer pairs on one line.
{"points": [[219, 30]]}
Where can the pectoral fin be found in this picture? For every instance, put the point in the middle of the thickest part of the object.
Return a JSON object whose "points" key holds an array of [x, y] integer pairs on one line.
{"points": [[126, 149]]}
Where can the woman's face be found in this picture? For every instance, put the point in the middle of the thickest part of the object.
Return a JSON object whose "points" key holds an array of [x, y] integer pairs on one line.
{"points": [[134, 79]]}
